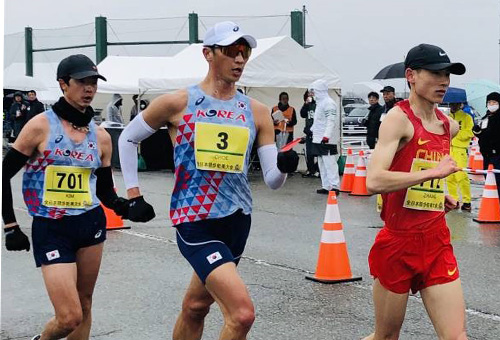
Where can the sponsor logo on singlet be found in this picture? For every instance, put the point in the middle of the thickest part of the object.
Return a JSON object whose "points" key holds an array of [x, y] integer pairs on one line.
{"points": [[199, 100]]}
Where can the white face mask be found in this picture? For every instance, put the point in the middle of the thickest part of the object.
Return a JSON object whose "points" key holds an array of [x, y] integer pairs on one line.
{"points": [[493, 108]]}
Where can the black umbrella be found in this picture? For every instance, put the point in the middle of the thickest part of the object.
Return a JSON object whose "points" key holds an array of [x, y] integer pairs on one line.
{"points": [[396, 70]]}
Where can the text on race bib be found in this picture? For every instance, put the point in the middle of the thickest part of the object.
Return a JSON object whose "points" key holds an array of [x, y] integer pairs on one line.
{"points": [[67, 187], [429, 195], [221, 147]]}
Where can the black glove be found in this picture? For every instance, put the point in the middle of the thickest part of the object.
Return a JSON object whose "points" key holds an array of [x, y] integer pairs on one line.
{"points": [[476, 129], [139, 210], [120, 207], [302, 140], [15, 239], [288, 161]]}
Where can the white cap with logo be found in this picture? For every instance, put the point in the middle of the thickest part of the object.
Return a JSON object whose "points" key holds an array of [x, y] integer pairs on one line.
{"points": [[225, 33]]}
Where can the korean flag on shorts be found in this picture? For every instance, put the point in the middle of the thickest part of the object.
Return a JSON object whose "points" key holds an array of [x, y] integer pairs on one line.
{"points": [[52, 255], [214, 257]]}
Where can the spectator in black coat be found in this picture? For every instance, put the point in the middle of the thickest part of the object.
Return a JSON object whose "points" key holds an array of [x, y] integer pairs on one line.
{"points": [[488, 134], [34, 105], [307, 112], [17, 113], [372, 121]]}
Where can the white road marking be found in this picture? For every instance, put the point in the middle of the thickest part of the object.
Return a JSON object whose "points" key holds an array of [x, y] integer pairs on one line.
{"points": [[471, 311]]}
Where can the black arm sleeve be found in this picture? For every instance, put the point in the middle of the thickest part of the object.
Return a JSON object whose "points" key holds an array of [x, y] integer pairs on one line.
{"points": [[12, 163], [105, 188]]}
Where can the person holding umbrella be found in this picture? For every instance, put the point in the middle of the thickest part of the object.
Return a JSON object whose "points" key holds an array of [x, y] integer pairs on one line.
{"points": [[488, 134], [389, 95]]}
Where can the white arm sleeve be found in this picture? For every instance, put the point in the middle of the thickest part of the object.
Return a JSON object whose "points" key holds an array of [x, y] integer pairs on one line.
{"points": [[136, 131], [268, 156]]}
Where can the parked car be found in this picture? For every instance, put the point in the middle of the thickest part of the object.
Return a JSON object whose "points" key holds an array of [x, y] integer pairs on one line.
{"points": [[352, 100], [349, 107], [352, 122]]}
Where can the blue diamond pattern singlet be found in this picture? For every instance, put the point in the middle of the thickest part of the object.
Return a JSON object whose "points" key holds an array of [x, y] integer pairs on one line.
{"points": [[60, 150], [203, 194]]}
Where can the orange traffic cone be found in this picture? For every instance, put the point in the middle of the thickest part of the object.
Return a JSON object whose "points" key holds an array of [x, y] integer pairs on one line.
{"points": [[477, 164], [359, 182], [333, 261], [472, 153], [349, 171], [113, 221], [489, 210]]}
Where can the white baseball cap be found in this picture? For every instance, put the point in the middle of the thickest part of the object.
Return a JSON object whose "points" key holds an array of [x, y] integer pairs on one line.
{"points": [[225, 33]]}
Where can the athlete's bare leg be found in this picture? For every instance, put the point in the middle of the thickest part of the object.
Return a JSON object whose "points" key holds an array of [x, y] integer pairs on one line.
{"points": [[227, 288], [88, 262], [446, 308], [60, 281], [70, 287], [390, 309], [195, 307]]}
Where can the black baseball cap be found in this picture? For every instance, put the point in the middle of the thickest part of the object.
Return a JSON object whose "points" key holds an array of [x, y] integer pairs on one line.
{"points": [[432, 58], [77, 66], [388, 89]]}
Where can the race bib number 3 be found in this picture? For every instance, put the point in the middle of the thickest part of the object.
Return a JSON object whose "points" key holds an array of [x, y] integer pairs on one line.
{"points": [[67, 187], [429, 195], [221, 147]]}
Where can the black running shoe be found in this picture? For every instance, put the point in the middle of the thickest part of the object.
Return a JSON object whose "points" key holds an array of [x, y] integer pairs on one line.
{"points": [[36, 337], [322, 191]]}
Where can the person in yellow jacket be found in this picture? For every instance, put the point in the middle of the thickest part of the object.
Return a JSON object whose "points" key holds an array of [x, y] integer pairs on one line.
{"points": [[459, 146]]}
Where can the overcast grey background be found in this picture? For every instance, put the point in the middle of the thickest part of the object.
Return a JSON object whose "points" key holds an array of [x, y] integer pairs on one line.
{"points": [[355, 38]]}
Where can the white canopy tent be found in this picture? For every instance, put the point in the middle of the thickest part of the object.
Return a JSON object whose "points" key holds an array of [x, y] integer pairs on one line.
{"points": [[277, 64], [43, 81], [123, 73]]}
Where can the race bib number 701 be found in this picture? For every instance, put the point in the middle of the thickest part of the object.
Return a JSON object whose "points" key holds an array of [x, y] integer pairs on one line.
{"points": [[67, 187]]}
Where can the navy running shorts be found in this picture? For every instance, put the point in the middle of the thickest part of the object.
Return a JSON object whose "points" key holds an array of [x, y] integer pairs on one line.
{"points": [[58, 240], [207, 244]]}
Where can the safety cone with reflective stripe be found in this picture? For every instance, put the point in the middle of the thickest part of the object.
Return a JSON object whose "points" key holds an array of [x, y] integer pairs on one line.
{"points": [[359, 183], [472, 153], [333, 261], [477, 164], [489, 210], [349, 171]]}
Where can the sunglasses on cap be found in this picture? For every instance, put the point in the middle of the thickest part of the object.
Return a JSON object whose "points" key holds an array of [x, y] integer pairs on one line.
{"points": [[233, 50]]}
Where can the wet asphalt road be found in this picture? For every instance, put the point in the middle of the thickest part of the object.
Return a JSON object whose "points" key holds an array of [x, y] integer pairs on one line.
{"points": [[143, 276]]}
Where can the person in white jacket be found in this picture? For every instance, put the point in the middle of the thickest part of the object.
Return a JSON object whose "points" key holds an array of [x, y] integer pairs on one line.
{"points": [[326, 136], [114, 109]]}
